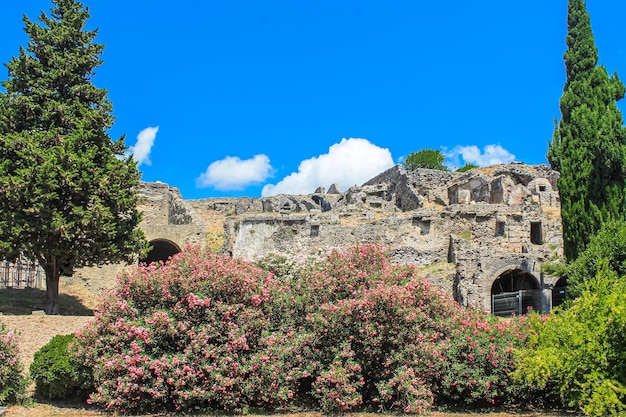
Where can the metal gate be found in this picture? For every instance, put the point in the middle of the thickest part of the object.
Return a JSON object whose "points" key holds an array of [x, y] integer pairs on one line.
{"points": [[519, 302]]}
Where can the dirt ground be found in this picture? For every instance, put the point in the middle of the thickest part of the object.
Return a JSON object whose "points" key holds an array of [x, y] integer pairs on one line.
{"points": [[35, 330], [21, 310]]}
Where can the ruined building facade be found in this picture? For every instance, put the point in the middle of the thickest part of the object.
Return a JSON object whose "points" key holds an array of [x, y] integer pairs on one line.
{"points": [[482, 234]]}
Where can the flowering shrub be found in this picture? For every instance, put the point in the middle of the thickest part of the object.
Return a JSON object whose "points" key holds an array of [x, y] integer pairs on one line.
{"points": [[346, 332], [189, 334], [12, 383], [480, 359], [385, 339]]}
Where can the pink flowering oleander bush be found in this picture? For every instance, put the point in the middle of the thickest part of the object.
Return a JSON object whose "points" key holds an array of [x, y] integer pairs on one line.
{"points": [[194, 333], [12, 381], [349, 331], [480, 359], [383, 338]]}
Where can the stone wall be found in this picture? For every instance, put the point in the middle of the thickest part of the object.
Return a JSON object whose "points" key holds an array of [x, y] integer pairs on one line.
{"points": [[166, 218], [483, 223]]}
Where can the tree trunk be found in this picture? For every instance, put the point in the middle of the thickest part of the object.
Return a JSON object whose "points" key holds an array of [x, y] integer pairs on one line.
{"points": [[52, 288]]}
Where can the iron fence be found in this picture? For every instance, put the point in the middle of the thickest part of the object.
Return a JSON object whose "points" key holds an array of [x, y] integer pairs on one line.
{"points": [[22, 274]]}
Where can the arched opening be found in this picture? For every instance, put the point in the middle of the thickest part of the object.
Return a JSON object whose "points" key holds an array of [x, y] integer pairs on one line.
{"points": [[161, 250], [515, 292], [559, 292]]}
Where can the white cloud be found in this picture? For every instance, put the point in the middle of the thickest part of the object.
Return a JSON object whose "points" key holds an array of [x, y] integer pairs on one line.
{"points": [[350, 162], [490, 155], [232, 173], [141, 150]]}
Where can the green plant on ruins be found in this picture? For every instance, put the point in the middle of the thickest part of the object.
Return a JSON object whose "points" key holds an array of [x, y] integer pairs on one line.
{"points": [[467, 167], [67, 192], [589, 144], [425, 158]]}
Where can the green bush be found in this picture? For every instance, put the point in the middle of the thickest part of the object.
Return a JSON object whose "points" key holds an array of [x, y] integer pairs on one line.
{"points": [[610, 244], [579, 354], [12, 383], [607, 247], [426, 158], [56, 373], [467, 167]]}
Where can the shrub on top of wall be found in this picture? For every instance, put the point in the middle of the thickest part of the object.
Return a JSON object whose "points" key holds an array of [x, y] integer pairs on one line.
{"points": [[347, 332], [12, 382]]}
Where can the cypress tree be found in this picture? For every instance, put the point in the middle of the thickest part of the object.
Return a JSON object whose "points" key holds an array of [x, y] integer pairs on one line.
{"points": [[67, 192], [589, 144]]}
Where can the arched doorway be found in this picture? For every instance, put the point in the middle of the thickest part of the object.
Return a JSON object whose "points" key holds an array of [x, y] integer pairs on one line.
{"points": [[162, 250], [515, 292], [559, 292]]}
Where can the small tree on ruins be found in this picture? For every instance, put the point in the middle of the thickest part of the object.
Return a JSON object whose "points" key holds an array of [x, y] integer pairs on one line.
{"points": [[67, 193], [425, 158]]}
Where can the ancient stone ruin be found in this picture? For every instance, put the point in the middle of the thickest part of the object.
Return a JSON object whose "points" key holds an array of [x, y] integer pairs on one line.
{"points": [[481, 235]]}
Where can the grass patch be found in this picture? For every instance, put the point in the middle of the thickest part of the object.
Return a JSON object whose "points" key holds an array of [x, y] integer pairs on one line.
{"points": [[465, 235], [439, 269]]}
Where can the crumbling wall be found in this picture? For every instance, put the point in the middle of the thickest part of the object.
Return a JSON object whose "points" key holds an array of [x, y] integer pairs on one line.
{"points": [[482, 222], [166, 216], [505, 212]]}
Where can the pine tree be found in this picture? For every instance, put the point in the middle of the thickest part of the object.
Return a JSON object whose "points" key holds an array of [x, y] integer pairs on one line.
{"points": [[67, 192], [589, 144]]}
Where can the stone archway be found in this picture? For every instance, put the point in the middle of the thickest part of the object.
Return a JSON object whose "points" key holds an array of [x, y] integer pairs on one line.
{"points": [[559, 292], [162, 250], [515, 291]]}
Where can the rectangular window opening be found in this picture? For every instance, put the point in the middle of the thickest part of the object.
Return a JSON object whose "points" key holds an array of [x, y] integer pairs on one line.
{"points": [[536, 233], [500, 228], [423, 224]]}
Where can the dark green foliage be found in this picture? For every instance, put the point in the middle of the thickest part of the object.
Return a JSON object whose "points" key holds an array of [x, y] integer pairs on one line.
{"points": [[466, 167], [426, 158], [579, 355], [57, 374], [589, 144], [67, 193], [607, 248]]}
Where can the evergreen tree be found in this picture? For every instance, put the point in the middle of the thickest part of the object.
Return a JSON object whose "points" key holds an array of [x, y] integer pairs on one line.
{"points": [[67, 192], [589, 144]]}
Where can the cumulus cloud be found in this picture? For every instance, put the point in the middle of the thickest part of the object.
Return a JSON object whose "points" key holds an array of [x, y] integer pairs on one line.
{"points": [[141, 150], [490, 155], [351, 162], [232, 173]]}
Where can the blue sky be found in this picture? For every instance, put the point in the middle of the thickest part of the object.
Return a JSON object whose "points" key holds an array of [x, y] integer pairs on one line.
{"points": [[251, 98]]}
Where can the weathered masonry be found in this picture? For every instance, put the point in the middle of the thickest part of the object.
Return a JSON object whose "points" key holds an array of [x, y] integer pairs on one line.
{"points": [[491, 227]]}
